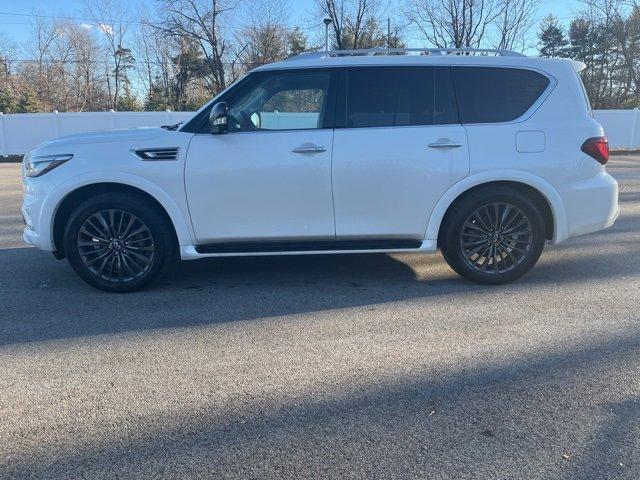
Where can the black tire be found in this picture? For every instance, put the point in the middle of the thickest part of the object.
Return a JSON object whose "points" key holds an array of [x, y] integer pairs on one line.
{"points": [[469, 229], [147, 251]]}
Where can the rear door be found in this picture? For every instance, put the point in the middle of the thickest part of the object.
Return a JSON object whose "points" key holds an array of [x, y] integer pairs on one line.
{"points": [[399, 148]]}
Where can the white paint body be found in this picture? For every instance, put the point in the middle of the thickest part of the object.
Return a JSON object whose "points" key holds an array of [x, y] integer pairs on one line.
{"points": [[367, 183]]}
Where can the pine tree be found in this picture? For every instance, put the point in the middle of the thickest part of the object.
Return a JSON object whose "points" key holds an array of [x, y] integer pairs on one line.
{"points": [[127, 101], [157, 100], [28, 101], [8, 103], [553, 42], [297, 42]]}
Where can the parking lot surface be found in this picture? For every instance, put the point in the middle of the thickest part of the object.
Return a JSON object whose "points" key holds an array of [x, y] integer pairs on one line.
{"points": [[363, 366]]}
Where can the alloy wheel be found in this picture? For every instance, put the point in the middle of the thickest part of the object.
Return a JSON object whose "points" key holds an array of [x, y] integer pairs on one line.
{"points": [[496, 238], [116, 246]]}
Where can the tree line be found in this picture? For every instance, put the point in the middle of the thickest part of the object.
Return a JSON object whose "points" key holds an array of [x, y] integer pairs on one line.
{"points": [[177, 54], [606, 37]]}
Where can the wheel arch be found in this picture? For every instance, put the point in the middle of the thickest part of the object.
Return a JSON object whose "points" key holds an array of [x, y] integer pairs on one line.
{"points": [[80, 193], [540, 191]]}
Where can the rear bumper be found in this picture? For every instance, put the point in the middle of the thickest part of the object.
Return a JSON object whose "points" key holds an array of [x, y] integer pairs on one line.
{"points": [[591, 205]]}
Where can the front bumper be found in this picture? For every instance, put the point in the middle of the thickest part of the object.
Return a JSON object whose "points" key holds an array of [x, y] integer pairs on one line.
{"points": [[38, 226]]}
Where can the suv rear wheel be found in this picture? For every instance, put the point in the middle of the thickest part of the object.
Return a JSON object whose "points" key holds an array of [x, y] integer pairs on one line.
{"points": [[493, 235], [117, 242]]}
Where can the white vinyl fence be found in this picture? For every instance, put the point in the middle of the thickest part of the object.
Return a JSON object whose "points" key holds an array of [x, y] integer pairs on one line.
{"points": [[622, 127], [19, 133]]}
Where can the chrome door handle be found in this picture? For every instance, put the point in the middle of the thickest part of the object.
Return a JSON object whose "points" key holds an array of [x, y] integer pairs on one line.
{"points": [[309, 148], [444, 144]]}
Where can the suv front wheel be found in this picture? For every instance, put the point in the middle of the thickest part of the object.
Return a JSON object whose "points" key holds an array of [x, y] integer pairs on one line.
{"points": [[117, 242], [493, 235]]}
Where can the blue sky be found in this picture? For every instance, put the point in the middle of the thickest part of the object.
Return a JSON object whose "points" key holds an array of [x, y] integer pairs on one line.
{"points": [[17, 28]]}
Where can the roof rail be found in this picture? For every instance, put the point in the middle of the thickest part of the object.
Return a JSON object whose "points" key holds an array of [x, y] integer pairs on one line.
{"points": [[407, 51]]}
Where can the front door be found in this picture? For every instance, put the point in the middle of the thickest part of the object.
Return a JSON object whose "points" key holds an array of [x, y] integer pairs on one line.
{"points": [[400, 149], [269, 178]]}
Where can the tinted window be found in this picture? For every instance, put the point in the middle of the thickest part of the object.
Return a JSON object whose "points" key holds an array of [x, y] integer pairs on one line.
{"points": [[399, 97], [282, 101], [491, 95]]}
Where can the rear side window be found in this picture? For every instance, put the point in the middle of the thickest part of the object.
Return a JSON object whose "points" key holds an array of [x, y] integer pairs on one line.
{"points": [[493, 95], [399, 97]]}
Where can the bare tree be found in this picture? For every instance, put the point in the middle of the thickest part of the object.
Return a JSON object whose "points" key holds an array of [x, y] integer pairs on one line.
{"points": [[264, 37], [113, 19], [202, 22], [8, 52], [514, 22], [44, 34], [352, 21], [452, 23], [86, 81]]}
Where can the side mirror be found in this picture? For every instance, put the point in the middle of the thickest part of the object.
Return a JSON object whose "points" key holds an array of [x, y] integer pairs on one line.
{"points": [[219, 118]]}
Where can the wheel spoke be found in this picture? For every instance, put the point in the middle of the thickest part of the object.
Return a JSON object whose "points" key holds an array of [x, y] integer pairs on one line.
{"points": [[139, 230], [130, 259], [94, 244], [474, 226], [516, 216], [517, 249], [119, 230], [104, 224], [496, 216], [140, 249], [522, 222], [482, 221], [476, 250], [132, 219], [98, 228], [139, 256], [98, 258], [486, 255], [472, 243], [516, 240], [103, 264], [505, 215], [505, 247]]}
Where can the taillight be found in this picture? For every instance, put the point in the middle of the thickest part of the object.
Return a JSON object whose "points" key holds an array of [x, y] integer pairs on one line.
{"points": [[598, 148]]}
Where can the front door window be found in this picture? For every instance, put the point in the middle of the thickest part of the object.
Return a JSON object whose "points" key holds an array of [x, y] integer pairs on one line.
{"points": [[284, 101]]}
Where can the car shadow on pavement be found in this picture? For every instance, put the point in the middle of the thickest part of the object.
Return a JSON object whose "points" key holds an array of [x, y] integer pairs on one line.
{"points": [[46, 301], [481, 422]]}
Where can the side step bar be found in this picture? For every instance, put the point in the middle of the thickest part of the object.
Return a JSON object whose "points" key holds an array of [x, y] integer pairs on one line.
{"points": [[307, 246]]}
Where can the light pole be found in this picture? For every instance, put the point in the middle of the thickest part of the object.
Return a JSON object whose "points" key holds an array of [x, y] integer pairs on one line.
{"points": [[327, 23]]}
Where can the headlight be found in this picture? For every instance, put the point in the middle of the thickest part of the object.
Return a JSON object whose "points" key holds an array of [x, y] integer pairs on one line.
{"points": [[36, 166]]}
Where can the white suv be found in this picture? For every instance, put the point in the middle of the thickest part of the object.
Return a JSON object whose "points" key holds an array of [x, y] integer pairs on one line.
{"points": [[483, 154]]}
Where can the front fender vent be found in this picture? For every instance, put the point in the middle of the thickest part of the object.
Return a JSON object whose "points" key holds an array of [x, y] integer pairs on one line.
{"points": [[151, 154]]}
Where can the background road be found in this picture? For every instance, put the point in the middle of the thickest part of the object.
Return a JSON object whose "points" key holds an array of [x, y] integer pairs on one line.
{"points": [[364, 366]]}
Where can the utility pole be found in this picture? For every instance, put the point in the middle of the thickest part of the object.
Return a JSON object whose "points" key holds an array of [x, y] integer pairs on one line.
{"points": [[327, 23], [388, 32]]}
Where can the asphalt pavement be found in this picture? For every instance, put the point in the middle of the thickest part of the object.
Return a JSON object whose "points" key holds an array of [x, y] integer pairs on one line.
{"points": [[341, 367]]}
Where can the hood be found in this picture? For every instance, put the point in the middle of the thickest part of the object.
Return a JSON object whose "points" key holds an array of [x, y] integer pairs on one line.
{"points": [[109, 136]]}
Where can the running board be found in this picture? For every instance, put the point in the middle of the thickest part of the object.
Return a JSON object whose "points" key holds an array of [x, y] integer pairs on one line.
{"points": [[192, 252], [308, 246]]}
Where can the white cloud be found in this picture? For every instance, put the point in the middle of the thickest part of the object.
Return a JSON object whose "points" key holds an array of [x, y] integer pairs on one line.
{"points": [[86, 26], [105, 28]]}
